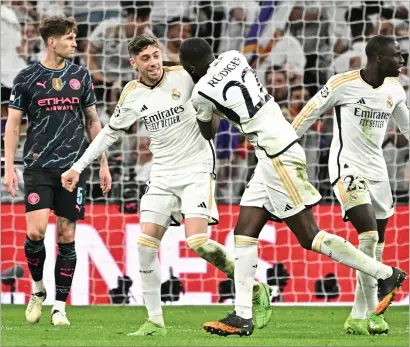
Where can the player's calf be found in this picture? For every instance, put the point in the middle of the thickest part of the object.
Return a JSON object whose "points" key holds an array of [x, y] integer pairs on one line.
{"points": [[64, 273], [213, 252]]}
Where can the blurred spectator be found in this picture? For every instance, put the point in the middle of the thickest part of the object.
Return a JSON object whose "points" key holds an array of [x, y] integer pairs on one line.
{"points": [[209, 16], [277, 84], [31, 43], [396, 154], [278, 46], [350, 60], [51, 8], [283, 50], [163, 11], [25, 11], [107, 53], [178, 30], [226, 141], [310, 25], [11, 62], [88, 14], [239, 16]]}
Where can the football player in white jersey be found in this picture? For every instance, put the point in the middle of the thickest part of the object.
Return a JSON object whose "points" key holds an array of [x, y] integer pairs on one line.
{"points": [[227, 87], [363, 100], [182, 174]]}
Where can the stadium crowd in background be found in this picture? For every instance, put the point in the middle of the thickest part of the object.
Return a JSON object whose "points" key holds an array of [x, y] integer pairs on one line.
{"points": [[294, 48]]}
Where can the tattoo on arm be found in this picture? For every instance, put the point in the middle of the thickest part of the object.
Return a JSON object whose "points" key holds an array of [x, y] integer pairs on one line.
{"points": [[103, 158], [91, 116], [16, 130]]}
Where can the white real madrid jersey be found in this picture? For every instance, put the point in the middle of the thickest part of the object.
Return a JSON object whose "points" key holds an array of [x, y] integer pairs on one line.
{"points": [[176, 142], [361, 116], [231, 90]]}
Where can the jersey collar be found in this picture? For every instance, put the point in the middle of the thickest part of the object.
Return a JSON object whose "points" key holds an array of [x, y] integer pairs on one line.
{"points": [[156, 84], [55, 70], [367, 83]]}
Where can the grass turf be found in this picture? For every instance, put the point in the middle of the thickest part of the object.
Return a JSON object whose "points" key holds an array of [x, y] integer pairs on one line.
{"points": [[109, 325]]}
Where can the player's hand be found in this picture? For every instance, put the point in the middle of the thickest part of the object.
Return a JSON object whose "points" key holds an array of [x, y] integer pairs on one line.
{"points": [[10, 182], [105, 179], [69, 179]]}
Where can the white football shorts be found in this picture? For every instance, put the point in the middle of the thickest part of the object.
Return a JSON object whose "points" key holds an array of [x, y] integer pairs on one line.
{"points": [[280, 185], [171, 198], [352, 189]]}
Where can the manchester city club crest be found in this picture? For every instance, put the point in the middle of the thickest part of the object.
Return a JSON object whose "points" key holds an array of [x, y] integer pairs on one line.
{"points": [[57, 84], [176, 94], [389, 101]]}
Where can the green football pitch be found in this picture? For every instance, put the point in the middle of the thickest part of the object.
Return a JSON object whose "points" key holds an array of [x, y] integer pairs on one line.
{"points": [[109, 325]]}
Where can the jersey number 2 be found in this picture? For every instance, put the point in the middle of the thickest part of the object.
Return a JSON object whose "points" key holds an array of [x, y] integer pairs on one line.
{"points": [[252, 109]]}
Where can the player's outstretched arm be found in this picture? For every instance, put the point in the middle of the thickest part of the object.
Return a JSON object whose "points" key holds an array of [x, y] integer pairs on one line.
{"points": [[322, 102], [11, 140], [401, 116], [123, 117], [93, 127], [105, 138]]}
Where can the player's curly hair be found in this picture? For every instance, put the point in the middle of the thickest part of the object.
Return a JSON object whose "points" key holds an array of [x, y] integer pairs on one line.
{"points": [[139, 43], [57, 26]]}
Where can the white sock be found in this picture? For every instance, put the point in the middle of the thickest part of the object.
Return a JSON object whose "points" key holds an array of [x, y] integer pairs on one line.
{"points": [[59, 306], [379, 251], [38, 286], [246, 262], [344, 252], [359, 308], [150, 272], [366, 286], [213, 252], [367, 244]]}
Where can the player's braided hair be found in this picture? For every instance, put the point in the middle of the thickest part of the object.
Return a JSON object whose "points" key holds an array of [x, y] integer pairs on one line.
{"points": [[57, 26], [139, 43]]}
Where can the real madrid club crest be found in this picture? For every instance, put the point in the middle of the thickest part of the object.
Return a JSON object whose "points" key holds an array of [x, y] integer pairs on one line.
{"points": [[176, 94], [57, 84], [389, 101]]}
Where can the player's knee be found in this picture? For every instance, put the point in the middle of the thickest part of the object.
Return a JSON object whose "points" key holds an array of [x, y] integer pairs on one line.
{"points": [[249, 232], [306, 239], [36, 233], [306, 242], [195, 242], [65, 230]]}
